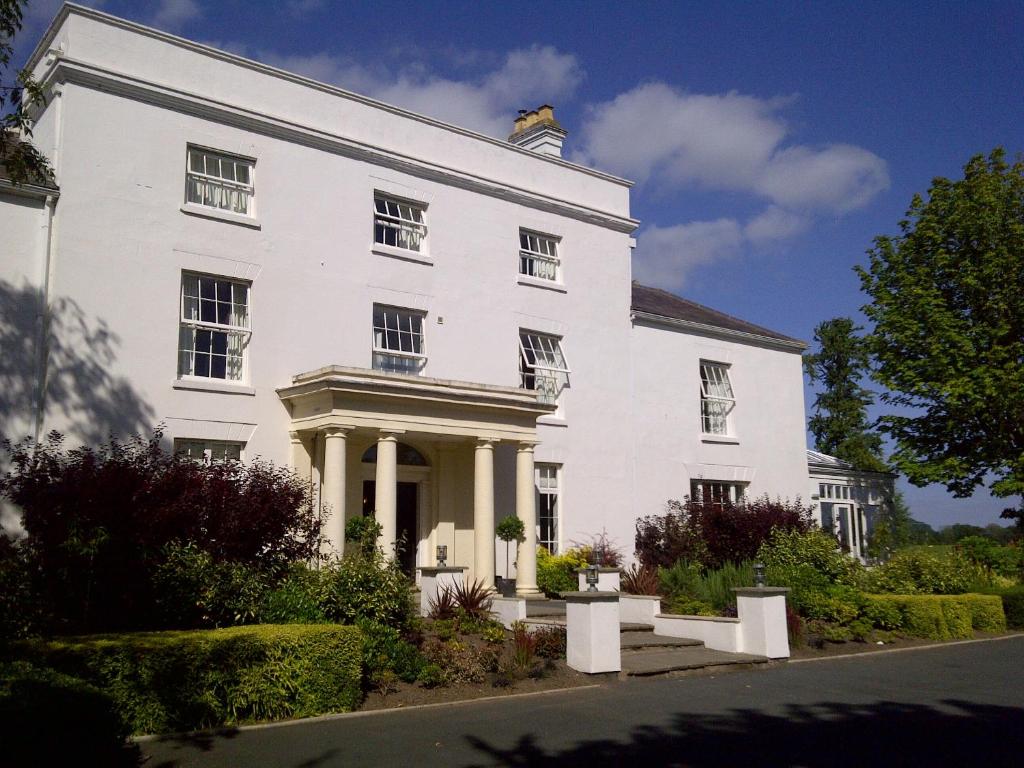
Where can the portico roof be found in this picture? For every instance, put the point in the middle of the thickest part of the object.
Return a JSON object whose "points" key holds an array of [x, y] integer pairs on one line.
{"points": [[339, 396]]}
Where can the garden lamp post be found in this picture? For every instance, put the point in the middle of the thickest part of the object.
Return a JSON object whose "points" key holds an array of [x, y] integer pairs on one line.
{"points": [[592, 578], [442, 555], [759, 575]]}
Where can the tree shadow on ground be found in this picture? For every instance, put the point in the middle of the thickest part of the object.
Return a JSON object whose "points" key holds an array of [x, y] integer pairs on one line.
{"points": [[92, 402], [835, 735]]}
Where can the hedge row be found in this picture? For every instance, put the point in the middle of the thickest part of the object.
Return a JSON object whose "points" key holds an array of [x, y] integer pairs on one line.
{"points": [[180, 681], [936, 617], [1013, 604]]}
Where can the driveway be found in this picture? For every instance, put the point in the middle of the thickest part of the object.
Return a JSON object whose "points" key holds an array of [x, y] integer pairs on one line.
{"points": [[957, 705]]}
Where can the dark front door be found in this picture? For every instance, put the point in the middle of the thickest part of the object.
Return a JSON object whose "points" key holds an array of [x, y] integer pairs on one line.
{"points": [[407, 530]]}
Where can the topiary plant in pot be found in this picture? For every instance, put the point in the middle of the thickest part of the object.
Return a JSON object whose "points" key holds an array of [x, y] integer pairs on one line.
{"points": [[510, 529]]}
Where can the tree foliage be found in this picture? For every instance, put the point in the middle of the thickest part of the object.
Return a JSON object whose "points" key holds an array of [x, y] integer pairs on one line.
{"points": [[947, 305], [24, 163], [840, 422]]}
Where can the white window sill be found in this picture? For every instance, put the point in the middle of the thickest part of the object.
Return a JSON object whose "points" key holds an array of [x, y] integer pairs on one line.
{"points": [[552, 421], [402, 253], [214, 385], [537, 282], [216, 214], [721, 439]]}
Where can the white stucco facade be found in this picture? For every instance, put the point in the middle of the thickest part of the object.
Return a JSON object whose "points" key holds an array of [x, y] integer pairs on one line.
{"points": [[626, 433]]}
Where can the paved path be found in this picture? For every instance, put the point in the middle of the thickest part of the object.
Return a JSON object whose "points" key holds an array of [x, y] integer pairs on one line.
{"points": [[959, 705]]}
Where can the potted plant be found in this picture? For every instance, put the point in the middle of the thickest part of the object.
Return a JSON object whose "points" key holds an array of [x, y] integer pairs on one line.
{"points": [[510, 529]]}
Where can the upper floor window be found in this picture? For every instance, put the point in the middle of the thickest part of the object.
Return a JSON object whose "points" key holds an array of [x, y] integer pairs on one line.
{"points": [[219, 181], [209, 451], [398, 340], [716, 398], [214, 329], [542, 365], [399, 223], [716, 493], [538, 255]]}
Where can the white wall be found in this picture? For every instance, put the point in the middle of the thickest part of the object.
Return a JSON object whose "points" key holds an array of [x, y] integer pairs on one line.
{"points": [[767, 422]]}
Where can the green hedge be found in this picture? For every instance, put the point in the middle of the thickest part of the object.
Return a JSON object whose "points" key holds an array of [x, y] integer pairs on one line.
{"points": [[47, 718], [936, 617], [178, 681], [1013, 605]]}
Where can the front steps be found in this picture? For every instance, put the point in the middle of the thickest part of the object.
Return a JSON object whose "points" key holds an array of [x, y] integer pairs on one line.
{"points": [[645, 654]]}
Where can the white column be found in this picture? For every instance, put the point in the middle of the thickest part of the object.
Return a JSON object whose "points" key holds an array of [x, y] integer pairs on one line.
{"points": [[526, 510], [301, 459], [483, 514], [387, 491], [333, 498]]}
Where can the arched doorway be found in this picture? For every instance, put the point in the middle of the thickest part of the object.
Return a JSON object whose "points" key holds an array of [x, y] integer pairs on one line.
{"points": [[413, 471]]}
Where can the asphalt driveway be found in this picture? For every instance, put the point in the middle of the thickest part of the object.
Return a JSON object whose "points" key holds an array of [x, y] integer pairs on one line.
{"points": [[957, 705]]}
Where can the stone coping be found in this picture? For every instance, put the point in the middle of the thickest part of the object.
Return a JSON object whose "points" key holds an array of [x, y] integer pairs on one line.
{"points": [[641, 597], [509, 599], [600, 570], [430, 571], [586, 597], [760, 591], [717, 619]]}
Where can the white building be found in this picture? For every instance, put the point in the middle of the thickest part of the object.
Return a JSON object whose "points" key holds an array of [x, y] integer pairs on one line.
{"points": [[425, 321], [848, 501]]}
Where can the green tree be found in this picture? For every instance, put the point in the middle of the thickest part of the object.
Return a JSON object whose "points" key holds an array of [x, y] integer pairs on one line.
{"points": [[24, 163], [947, 304], [893, 527], [840, 422]]}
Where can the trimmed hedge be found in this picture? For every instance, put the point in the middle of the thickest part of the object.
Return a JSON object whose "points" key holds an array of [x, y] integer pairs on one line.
{"points": [[936, 617], [180, 681], [47, 718], [1013, 605]]}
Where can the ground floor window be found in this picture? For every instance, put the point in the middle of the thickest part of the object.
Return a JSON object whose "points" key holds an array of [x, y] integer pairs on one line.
{"points": [[548, 485], [716, 492], [209, 451]]}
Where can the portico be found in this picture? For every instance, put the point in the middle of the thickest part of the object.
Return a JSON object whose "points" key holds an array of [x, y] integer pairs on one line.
{"points": [[364, 438]]}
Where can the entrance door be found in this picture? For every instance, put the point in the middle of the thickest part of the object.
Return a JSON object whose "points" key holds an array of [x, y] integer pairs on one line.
{"points": [[847, 533], [408, 531]]}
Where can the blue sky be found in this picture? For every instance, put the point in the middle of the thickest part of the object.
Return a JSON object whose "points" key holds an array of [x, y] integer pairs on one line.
{"points": [[770, 142]]}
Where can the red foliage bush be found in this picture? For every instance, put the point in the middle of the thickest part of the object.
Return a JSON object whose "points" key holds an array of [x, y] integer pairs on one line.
{"points": [[98, 521], [713, 534]]}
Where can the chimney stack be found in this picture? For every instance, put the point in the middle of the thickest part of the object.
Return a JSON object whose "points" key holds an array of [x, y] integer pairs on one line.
{"points": [[538, 130]]}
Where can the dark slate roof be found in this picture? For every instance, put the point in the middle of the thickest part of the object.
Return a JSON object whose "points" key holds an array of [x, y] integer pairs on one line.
{"points": [[655, 301]]}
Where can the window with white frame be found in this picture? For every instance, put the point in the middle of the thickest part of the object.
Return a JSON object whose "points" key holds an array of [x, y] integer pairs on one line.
{"points": [[542, 365], [548, 487], [214, 328], [209, 451], [399, 223], [398, 340], [220, 181], [717, 493], [716, 398], [538, 255]]}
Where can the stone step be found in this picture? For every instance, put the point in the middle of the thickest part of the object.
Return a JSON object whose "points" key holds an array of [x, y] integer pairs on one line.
{"points": [[634, 640], [662, 661]]}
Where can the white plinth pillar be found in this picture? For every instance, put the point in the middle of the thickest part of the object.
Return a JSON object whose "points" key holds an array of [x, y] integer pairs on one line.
{"points": [[762, 615], [433, 581], [333, 497], [592, 635], [526, 510], [386, 506], [483, 514]]}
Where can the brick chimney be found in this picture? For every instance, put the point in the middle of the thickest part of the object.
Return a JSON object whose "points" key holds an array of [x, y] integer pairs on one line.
{"points": [[539, 131]]}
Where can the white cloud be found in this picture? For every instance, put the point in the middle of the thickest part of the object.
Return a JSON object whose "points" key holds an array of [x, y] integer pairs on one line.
{"points": [[665, 254], [171, 14], [526, 78], [729, 141], [774, 223]]}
